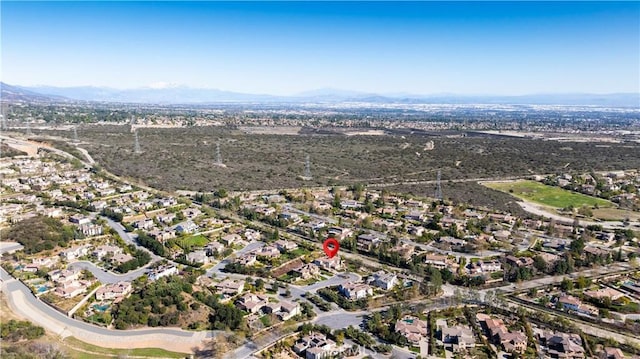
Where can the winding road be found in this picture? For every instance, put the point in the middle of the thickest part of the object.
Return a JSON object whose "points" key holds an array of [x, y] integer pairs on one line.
{"points": [[26, 305]]}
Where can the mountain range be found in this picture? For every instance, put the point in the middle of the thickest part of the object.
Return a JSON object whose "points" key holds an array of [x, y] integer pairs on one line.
{"points": [[188, 95]]}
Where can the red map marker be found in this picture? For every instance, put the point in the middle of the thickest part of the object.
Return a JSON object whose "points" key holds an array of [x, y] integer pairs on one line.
{"points": [[331, 247]]}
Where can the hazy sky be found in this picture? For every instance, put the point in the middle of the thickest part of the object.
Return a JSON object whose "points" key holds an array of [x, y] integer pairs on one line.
{"points": [[284, 48]]}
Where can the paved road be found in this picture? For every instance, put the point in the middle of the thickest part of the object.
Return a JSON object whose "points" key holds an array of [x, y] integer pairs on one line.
{"points": [[216, 271], [10, 247], [289, 208], [109, 277], [26, 305]]}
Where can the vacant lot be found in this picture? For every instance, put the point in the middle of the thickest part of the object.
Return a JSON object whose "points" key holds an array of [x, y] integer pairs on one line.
{"points": [[616, 214], [547, 195], [184, 158]]}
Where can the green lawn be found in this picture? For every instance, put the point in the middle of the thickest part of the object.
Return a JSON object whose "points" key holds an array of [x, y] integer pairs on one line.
{"points": [[547, 195], [193, 241]]}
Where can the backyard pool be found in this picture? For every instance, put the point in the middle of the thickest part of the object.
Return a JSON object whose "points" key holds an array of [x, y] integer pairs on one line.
{"points": [[101, 307]]}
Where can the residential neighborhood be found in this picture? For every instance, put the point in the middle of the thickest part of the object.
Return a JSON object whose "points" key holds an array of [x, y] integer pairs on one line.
{"points": [[432, 278]]}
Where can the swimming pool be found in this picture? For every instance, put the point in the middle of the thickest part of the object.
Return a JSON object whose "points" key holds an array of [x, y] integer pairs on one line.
{"points": [[101, 308]]}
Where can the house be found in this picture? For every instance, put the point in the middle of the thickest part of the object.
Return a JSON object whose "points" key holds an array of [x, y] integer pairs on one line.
{"points": [[350, 204], [71, 289], [166, 202], [230, 287], [252, 303], [105, 250], [144, 224], [166, 218], [339, 233], [269, 251], [498, 333], [284, 245], [99, 205], [459, 337], [502, 235], [315, 346], [405, 250], [114, 291], [265, 210], [569, 302], [285, 310], [186, 227], [525, 262], [191, 212], [366, 242], [550, 260], [75, 253], [247, 259], [307, 271], [252, 235], [453, 243], [162, 271], [199, 256], [90, 230], [214, 248], [595, 252], [79, 219], [414, 216], [513, 341], [326, 263], [231, 239], [64, 275], [487, 267], [163, 235], [384, 280], [412, 328], [354, 291], [437, 261], [602, 293], [612, 353], [44, 261], [561, 345], [605, 236], [291, 217]]}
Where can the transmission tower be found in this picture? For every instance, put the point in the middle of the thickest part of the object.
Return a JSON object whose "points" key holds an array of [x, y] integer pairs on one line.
{"points": [[29, 133], [136, 146], [307, 168], [219, 157], [438, 194], [5, 112], [75, 134]]}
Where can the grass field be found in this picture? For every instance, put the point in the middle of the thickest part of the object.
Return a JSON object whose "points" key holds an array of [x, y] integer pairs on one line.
{"points": [[193, 241], [547, 195]]}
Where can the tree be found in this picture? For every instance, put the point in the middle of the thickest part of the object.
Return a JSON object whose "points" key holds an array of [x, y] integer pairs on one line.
{"points": [[566, 285]]}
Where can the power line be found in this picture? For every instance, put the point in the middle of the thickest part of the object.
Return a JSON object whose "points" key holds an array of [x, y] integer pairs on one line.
{"points": [[438, 194]]}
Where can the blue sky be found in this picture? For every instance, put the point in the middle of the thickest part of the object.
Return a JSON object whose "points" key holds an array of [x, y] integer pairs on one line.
{"points": [[495, 48]]}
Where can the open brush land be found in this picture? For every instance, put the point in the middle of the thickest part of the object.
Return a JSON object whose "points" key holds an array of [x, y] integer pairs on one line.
{"points": [[184, 158]]}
